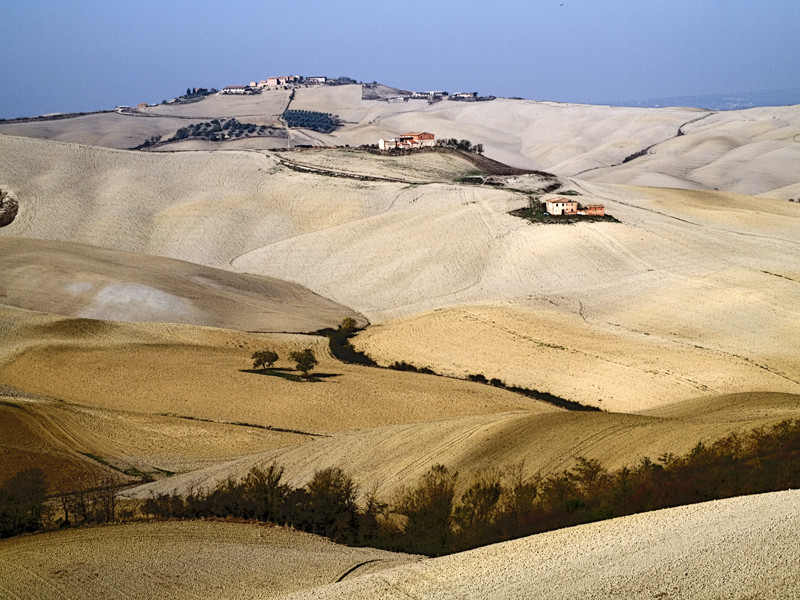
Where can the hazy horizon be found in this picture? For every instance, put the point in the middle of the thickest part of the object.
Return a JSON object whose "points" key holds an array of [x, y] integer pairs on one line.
{"points": [[90, 55]]}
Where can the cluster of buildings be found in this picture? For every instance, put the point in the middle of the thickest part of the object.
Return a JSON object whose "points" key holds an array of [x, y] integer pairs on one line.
{"points": [[408, 141], [435, 96], [564, 206], [277, 82]]}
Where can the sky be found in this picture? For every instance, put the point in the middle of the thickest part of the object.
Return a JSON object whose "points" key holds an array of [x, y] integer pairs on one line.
{"points": [[83, 55]]}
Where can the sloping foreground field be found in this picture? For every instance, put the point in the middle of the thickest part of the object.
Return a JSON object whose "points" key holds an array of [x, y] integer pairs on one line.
{"points": [[202, 373], [91, 282], [179, 560], [392, 458], [746, 547], [751, 151]]}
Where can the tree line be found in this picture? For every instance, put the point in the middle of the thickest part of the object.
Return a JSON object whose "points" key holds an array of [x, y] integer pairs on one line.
{"points": [[499, 505], [431, 518], [25, 506]]}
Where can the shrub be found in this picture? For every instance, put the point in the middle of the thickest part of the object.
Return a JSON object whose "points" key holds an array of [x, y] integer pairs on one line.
{"points": [[307, 119]]}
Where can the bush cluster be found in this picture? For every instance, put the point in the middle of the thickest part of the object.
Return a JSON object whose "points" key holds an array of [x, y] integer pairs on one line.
{"points": [[310, 119], [218, 130], [341, 348], [325, 506], [464, 145], [22, 503]]}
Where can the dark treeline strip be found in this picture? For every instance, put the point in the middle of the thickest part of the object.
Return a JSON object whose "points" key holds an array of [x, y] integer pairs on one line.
{"points": [[341, 348], [535, 394], [504, 504], [25, 507]]}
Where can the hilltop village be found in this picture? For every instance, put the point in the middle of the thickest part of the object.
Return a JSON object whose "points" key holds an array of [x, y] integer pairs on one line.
{"points": [[288, 82]]}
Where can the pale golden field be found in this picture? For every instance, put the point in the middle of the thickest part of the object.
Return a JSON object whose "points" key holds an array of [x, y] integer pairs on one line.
{"points": [[175, 560], [702, 551], [134, 287]]}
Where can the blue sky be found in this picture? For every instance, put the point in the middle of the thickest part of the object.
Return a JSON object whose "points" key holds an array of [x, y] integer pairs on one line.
{"points": [[82, 55]]}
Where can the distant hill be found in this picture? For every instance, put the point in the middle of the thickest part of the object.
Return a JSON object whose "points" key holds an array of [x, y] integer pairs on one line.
{"points": [[736, 101]]}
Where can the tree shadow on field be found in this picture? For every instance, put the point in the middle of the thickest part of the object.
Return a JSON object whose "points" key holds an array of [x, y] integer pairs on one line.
{"points": [[291, 374]]}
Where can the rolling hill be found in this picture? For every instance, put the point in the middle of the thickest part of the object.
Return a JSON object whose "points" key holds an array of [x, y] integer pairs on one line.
{"points": [[134, 287]]}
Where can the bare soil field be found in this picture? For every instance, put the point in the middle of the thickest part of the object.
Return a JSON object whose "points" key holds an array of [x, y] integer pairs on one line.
{"points": [[202, 373], [669, 304], [109, 130], [738, 548], [80, 447], [179, 560], [541, 442], [89, 282], [434, 167], [595, 363], [261, 109]]}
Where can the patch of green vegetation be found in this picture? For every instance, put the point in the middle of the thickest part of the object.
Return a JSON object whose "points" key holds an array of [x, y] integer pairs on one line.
{"points": [[218, 130], [310, 119]]}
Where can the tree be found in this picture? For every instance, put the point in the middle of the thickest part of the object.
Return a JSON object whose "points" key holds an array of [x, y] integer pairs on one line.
{"points": [[305, 359], [264, 359], [478, 149], [332, 505], [428, 509], [479, 504], [348, 325], [22, 503]]}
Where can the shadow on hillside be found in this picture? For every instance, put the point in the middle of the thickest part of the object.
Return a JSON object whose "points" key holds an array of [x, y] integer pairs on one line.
{"points": [[290, 374]]}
